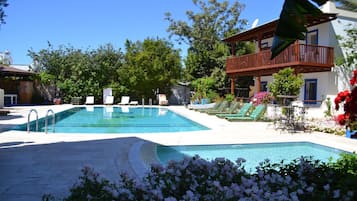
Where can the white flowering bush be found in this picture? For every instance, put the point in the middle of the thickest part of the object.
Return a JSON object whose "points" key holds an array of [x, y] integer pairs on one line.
{"points": [[195, 179]]}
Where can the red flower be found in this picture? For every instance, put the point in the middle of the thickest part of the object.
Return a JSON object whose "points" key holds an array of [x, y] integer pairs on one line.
{"points": [[349, 117], [341, 119], [353, 80], [337, 102], [346, 93]]}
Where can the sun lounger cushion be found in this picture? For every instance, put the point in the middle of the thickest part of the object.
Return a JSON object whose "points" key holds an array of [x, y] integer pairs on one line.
{"points": [[256, 114]]}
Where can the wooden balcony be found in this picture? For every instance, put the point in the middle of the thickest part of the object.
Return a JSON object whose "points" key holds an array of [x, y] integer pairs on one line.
{"points": [[303, 58]]}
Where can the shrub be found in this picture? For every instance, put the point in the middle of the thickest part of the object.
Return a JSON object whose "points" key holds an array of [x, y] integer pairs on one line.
{"points": [[328, 112], [213, 96], [286, 82], [262, 98], [220, 179], [229, 97]]}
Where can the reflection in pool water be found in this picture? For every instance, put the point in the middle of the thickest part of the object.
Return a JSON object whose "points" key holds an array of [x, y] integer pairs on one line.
{"points": [[118, 120]]}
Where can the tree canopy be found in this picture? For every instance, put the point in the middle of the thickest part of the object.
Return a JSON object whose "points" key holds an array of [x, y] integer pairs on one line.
{"points": [[286, 82], [150, 66], [203, 33], [76, 72], [145, 67], [349, 44], [3, 4]]}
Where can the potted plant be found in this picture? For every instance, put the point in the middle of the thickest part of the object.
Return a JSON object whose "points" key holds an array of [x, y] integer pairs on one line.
{"points": [[286, 86], [229, 98], [57, 101], [349, 100]]}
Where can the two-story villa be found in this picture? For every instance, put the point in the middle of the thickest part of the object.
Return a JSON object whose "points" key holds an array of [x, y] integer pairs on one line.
{"points": [[314, 57]]}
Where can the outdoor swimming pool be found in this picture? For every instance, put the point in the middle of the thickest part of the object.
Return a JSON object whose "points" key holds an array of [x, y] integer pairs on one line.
{"points": [[253, 153], [116, 120]]}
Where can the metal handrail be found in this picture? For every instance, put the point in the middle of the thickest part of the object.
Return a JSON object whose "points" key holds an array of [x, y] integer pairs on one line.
{"points": [[28, 120], [53, 120]]}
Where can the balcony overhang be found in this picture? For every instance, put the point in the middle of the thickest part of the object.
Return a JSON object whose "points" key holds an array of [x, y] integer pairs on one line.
{"points": [[267, 30], [269, 70]]}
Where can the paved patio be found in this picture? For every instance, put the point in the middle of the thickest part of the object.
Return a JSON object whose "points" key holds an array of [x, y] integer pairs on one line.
{"points": [[33, 164]]}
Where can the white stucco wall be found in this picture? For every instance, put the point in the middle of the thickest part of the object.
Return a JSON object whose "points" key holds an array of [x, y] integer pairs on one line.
{"points": [[338, 28], [326, 87], [326, 84], [323, 33]]}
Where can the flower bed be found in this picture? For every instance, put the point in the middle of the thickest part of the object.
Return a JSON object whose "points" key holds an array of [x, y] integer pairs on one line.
{"points": [[196, 179]]}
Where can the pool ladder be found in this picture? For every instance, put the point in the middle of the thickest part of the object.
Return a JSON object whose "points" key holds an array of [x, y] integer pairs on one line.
{"points": [[28, 120], [53, 121], [46, 120]]}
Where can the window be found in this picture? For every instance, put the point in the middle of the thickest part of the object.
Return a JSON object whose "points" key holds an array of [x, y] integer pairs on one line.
{"points": [[263, 86], [312, 37], [264, 45], [310, 91]]}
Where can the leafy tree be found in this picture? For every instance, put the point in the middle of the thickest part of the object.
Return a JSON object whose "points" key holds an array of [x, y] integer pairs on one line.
{"points": [[105, 62], [203, 87], [220, 78], [3, 4], [149, 65], [349, 44], [78, 73], [203, 34], [286, 82]]}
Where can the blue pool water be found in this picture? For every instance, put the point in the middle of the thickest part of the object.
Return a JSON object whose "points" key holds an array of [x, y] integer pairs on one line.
{"points": [[117, 120], [252, 153]]}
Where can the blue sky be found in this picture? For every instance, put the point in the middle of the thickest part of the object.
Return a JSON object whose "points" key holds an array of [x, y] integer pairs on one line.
{"points": [[87, 24]]}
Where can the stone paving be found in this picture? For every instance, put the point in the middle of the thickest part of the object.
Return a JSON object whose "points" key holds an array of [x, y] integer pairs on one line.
{"points": [[33, 164]]}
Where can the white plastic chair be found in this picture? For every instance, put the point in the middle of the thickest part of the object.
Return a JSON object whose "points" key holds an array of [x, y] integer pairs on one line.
{"points": [[89, 100], [163, 100], [109, 100], [124, 100]]}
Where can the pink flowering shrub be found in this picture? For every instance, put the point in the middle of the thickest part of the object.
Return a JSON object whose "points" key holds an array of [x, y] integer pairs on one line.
{"points": [[195, 179], [263, 97]]}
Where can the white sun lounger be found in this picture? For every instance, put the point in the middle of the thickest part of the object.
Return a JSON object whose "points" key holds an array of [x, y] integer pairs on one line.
{"points": [[124, 100], [89, 100]]}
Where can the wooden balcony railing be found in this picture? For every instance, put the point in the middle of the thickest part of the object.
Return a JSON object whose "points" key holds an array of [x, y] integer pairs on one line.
{"points": [[294, 55]]}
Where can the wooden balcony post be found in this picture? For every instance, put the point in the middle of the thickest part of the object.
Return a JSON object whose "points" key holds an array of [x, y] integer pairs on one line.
{"points": [[297, 50], [260, 42], [257, 82], [233, 49], [232, 85]]}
